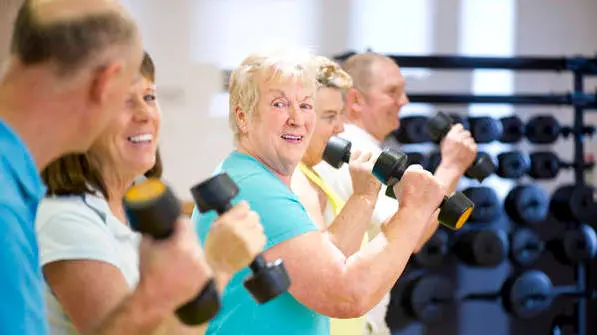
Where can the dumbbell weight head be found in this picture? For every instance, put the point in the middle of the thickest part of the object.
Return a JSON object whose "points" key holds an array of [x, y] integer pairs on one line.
{"points": [[572, 203], [542, 129], [152, 208], [412, 130], [485, 129], [416, 158], [337, 151], [484, 248], [512, 165], [428, 298], [268, 280], [439, 126], [527, 204], [528, 295], [544, 165], [433, 253], [456, 118], [487, 204], [575, 246], [526, 247], [512, 129], [482, 167]]}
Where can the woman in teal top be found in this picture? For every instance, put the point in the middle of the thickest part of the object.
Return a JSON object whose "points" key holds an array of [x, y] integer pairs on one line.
{"points": [[272, 115]]}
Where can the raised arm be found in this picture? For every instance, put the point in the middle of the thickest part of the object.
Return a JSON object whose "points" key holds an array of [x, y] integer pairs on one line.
{"points": [[345, 287]]}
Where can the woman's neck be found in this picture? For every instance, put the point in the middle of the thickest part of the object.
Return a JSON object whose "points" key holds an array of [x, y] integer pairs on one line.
{"points": [[116, 187], [285, 177]]}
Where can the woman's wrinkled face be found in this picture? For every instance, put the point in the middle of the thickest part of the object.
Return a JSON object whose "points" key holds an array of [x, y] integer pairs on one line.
{"points": [[282, 125]]}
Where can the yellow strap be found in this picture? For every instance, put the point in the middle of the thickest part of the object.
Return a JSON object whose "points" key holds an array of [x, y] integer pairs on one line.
{"points": [[333, 198]]}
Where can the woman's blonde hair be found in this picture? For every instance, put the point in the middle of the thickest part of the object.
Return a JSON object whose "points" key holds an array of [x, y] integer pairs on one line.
{"points": [[331, 75], [280, 65]]}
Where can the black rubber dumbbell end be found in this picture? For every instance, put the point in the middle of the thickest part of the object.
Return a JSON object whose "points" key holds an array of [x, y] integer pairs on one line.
{"points": [[438, 126], [215, 193], [390, 166], [203, 308], [527, 295], [152, 208], [268, 280], [482, 167], [526, 247], [337, 151], [455, 210]]}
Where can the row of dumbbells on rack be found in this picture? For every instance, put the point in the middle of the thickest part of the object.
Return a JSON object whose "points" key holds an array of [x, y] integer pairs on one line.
{"points": [[487, 248], [541, 129], [429, 298]]}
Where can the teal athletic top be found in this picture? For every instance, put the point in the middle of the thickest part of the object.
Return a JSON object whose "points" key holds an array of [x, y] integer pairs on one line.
{"points": [[283, 217]]}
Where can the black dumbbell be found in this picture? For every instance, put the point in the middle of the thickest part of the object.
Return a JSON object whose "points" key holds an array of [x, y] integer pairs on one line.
{"points": [[527, 204], [575, 245], [434, 252], [485, 129], [547, 165], [269, 280], [416, 158], [526, 246], [454, 209], [529, 294], [512, 165], [544, 129], [439, 126], [574, 203], [152, 208], [463, 120], [473, 172], [512, 129], [388, 168], [412, 130], [428, 298], [487, 204], [483, 248]]}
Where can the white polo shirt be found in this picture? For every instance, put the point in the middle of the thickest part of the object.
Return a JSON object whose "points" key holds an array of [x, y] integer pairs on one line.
{"points": [[385, 207], [83, 227]]}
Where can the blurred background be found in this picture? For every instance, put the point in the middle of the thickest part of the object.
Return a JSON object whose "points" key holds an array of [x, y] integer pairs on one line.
{"points": [[194, 42]]}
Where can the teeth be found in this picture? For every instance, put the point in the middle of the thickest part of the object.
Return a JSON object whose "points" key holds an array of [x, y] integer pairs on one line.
{"points": [[291, 137], [141, 138]]}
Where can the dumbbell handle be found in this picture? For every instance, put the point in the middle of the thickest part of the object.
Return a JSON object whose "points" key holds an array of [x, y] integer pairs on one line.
{"points": [[259, 262]]}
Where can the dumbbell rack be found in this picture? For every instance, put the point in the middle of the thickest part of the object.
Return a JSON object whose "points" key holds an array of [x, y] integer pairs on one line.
{"points": [[579, 67]]}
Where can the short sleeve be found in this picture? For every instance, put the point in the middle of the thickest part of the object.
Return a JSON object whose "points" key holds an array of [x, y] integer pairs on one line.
{"points": [[71, 231], [282, 214], [22, 310]]}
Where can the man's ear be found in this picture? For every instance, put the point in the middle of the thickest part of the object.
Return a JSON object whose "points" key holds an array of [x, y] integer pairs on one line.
{"points": [[242, 119], [354, 103], [103, 81]]}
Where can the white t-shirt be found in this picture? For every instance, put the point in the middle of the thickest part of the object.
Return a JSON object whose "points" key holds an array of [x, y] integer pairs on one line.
{"points": [[83, 227]]}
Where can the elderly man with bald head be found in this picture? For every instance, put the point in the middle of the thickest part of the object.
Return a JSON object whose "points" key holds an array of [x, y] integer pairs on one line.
{"points": [[373, 111], [72, 63]]}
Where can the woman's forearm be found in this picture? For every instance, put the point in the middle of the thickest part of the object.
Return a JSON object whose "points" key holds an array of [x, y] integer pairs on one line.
{"points": [[349, 227]]}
